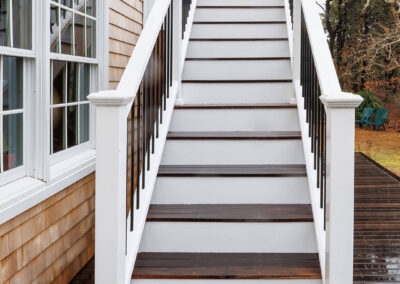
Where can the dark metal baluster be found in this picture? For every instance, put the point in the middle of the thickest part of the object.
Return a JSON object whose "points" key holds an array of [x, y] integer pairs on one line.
{"points": [[138, 148], [172, 43], [132, 188], [158, 85]]}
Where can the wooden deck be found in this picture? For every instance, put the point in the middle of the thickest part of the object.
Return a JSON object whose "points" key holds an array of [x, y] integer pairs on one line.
{"points": [[377, 223], [377, 226]]}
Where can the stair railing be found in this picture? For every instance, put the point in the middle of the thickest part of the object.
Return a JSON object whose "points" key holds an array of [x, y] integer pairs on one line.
{"points": [[131, 128], [327, 124]]}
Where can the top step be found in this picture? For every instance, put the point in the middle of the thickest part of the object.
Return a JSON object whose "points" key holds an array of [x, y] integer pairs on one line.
{"points": [[239, 13], [240, 3]]}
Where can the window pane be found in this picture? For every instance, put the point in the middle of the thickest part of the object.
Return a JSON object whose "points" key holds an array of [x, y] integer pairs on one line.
{"points": [[79, 35], [84, 123], [72, 120], [91, 37], [54, 28], [22, 23], [67, 3], [58, 129], [12, 141], [12, 83], [72, 82], [91, 7], [5, 36], [79, 5], [84, 79], [66, 32], [59, 82]]}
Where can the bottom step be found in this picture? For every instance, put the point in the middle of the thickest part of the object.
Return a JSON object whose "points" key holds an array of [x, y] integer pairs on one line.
{"points": [[245, 266]]}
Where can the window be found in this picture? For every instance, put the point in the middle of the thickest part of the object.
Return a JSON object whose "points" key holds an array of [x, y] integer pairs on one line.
{"points": [[69, 104], [16, 26], [16, 23], [73, 65], [45, 116], [73, 27], [12, 113]]}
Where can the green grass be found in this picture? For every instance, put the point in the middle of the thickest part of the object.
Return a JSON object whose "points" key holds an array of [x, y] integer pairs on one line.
{"points": [[383, 147]]}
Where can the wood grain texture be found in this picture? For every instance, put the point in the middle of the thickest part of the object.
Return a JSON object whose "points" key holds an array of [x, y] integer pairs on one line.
{"points": [[234, 135], [253, 213], [52, 241], [227, 266], [232, 171], [126, 24], [241, 106], [377, 223]]}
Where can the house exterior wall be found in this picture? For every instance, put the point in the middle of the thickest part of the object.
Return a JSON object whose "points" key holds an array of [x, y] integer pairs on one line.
{"points": [[53, 240], [126, 18]]}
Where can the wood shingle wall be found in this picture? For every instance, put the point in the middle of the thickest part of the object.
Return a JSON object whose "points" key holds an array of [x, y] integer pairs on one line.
{"points": [[52, 241], [126, 17]]}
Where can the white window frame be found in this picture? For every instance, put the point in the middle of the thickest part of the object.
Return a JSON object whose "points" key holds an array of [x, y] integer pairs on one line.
{"points": [[45, 175]]}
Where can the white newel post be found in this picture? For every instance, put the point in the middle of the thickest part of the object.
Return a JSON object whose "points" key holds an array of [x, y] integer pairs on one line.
{"points": [[110, 217], [177, 47], [340, 111]]}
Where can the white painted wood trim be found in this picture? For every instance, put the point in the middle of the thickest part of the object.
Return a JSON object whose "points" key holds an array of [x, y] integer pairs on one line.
{"points": [[188, 31], [327, 77], [137, 64], [315, 195], [289, 27], [134, 238]]}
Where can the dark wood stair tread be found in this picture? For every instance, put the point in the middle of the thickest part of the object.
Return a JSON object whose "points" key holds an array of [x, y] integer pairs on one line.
{"points": [[232, 171], [239, 106], [240, 7], [253, 213], [239, 22], [227, 266], [239, 39], [234, 135], [236, 81], [236, 58]]}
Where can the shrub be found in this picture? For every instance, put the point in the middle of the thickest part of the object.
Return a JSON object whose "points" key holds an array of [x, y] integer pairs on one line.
{"points": [[369, 101]]}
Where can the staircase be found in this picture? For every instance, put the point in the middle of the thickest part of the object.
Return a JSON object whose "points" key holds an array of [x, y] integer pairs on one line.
{"points": [[231, 201]]}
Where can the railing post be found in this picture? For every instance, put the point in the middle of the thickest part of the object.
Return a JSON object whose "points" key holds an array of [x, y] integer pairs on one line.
{"points": [[110, 216], [177, 46], [340, 111]]}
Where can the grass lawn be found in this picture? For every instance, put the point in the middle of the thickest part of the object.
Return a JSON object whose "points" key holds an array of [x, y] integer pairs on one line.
{"points": [[383, 147]]}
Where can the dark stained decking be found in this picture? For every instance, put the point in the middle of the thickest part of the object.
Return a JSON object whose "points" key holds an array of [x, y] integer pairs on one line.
{"points": [[377, 226], [377, 223]]}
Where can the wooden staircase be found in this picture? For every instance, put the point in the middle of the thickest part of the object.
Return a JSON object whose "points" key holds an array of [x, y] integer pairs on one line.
{"points": [[231, 201]]}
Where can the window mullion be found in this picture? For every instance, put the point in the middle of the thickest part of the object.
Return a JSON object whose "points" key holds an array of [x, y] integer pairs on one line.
{"points": [[1, 116]]}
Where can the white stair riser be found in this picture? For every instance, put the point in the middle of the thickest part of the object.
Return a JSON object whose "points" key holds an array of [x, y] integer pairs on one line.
{"points": [[240, 3], [225, 281], [237, 70], [257, 93], [239, 15], [232, 152], [226, 49], [239, 31], [235, 120], [231, 190], [229, 237]]}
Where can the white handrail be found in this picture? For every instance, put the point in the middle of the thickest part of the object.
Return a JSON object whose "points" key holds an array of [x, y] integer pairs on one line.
{"points": [[327, 76], [335, 245], [134, 71]]}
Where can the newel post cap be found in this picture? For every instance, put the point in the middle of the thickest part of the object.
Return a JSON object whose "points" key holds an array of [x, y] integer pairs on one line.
{"points": [[341, 100], [110, 98]]}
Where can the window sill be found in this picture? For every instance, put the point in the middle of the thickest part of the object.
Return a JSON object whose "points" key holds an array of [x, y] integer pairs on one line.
{"points": [[22, 194]]}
